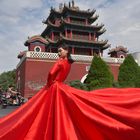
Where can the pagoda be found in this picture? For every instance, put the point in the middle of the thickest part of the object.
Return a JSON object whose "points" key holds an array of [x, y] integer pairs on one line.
{"points": [[68, 26]]}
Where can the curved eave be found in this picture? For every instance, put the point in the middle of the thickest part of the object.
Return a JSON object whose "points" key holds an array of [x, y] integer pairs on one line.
{"points": [[117, 51], [51, 41], [71, 10], [84, 43], [97, 27], [36, 38], [52, 13], [100, 32], [70, 25], [21, 54], [75, 10], [67, 40], [43, 34], [106, 46], [93, 19], [50, 26]]}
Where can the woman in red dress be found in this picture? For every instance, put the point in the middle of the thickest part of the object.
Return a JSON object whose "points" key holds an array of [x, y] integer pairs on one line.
{"points": [[60, 112]]}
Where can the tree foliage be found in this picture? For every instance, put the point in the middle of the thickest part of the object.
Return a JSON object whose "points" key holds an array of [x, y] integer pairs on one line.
{"points": [[138, 78], [129, 73], [99, 75], [7, 78], [77, 84], [137, 84]]}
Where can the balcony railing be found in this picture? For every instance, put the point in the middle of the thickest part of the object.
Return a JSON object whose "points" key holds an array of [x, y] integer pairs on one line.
{"points": [[78, 22], [80, 37]]}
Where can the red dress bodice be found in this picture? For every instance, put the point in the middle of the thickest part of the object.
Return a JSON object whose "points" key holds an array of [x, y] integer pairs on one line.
{"points": [[59, 71]]}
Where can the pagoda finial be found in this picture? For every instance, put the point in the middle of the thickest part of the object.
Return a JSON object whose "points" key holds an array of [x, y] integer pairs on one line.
{"points": [[60, 6], [72, 3], [64, 4], [69, 5]]}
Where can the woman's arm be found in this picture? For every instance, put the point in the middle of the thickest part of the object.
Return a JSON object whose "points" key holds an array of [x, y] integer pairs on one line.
{"points": [[53, 73]]}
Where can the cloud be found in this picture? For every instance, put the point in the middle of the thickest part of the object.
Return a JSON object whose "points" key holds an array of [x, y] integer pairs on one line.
{"points": [[16, 24], [20, 19], [122, 20]]}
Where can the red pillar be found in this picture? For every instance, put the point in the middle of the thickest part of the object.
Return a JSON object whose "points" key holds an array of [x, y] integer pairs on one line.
{"points": [[72, 50], [50, 50], [68, 19], [89, 36], [66, 33], [94, 37], [71, 34], [86, 22]]}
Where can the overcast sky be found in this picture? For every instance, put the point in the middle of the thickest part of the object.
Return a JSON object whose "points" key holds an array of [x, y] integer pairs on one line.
{"points": [[22, 18]]}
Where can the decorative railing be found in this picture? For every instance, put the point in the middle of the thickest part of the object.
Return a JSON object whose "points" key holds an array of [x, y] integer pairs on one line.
{"points": [[78, 22], [31, 54], [80, 37], [54, 56]]}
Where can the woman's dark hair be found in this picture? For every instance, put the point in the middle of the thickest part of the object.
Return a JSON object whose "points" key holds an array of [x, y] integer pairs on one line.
{"points": [[70, 58], [68, 55]]}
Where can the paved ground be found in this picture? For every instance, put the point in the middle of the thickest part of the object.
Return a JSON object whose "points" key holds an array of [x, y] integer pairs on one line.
{"points": [[7, 110]]}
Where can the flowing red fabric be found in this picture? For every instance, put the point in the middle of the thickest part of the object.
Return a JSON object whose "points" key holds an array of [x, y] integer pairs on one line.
{"points": [[60, 112]]}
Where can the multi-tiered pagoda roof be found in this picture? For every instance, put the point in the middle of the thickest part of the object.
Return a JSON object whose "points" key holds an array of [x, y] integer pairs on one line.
{"points": [[75, 28]]}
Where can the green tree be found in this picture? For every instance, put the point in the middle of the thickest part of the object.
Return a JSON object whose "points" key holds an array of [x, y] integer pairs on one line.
{"points": [[129, 73], [138, 78], [7, 78], [77, 84], [99, 75], [137, 84]]}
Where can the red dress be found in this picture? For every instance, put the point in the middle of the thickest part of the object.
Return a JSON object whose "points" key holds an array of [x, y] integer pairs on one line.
{"points": [[60, 112]]}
